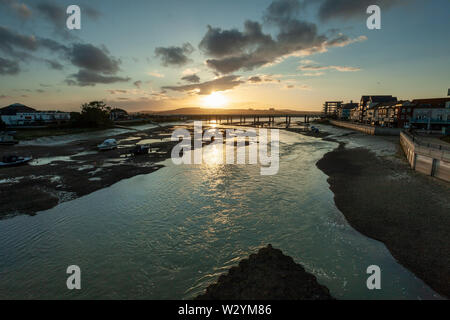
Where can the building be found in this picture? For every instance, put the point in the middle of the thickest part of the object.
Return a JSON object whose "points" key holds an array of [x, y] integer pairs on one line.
{"points": [[118, 114], [330, 108], [344, 110], [368, 104], [430, 114], [20, 115]]}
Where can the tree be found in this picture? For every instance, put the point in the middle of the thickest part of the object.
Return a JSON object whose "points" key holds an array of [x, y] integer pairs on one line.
{"points": [[95, 114]]}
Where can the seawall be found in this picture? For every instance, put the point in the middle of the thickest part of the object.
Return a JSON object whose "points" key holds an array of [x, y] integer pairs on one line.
{"points": [[375, 131], [425, 159]]}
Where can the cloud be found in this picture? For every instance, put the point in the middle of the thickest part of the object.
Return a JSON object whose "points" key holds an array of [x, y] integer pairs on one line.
{"points": [[174, 56], [281, 10], [255, 79], [54, 64], [191, 78], [232, 50], [89, 57], [117, 91], [321, 68], [155, 74], [8, 67], [91, 78], [221, 43], [137, 84], [208, 87], [345, 9], [56, 15], [260, 79]]}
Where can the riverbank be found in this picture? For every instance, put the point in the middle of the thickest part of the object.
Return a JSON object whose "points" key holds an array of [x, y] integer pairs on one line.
{"points": [[68, 171], [267, 275], [384, 199]]}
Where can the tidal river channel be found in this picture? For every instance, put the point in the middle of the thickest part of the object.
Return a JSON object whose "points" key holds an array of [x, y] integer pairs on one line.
{"points": [[169, 234]]}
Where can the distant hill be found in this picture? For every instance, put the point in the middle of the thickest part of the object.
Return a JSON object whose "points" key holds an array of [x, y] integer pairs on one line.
{"points": [[203, 111], [13, 109]]}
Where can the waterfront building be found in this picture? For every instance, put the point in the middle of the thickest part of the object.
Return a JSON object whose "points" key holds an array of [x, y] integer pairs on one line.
{"points": [[20, 115], [430, 114], [368, 103], [344, 110]]}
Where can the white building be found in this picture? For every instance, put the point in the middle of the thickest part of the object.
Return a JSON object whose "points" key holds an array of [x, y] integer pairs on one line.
{"points": [[20, 115]]}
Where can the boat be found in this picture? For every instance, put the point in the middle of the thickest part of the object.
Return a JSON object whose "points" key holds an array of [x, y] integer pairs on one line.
{"points": [[7, 140], [10, 161], [108, 144]]}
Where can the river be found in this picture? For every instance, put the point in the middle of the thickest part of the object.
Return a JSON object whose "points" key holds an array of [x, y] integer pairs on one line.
{"points": [[169, 234]]}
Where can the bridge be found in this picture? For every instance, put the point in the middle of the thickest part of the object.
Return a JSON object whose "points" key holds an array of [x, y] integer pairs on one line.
{"points": [[253, 117]]}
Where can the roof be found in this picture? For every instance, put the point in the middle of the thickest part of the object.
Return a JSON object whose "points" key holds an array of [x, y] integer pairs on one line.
{"points": [[349, 105], [433, 102], [378, 99], [15, 108]]}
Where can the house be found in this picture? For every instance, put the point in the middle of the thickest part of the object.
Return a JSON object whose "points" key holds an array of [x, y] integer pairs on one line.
{"points": [[368, 104], [344, 110], [20, 115], [430, 114], [118, 114]]}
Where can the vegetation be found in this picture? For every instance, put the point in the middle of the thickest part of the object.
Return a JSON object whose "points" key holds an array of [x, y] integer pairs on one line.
{"points": [[95, 114], [2, 125]]}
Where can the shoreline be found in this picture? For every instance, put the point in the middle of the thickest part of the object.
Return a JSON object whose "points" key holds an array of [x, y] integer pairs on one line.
{"points": [[386, 201]]}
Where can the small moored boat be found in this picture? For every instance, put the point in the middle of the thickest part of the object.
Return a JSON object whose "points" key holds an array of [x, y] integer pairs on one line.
{"points": [[108, 144], [10, 161]]}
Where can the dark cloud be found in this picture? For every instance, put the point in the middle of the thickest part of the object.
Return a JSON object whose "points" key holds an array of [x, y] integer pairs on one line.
{"points": [[8, 67], [57, 16], [93, 62], [232, 50], [221, 43], [205, 88], [344, 9], [10, 40], [91, 78], [52, 12], [138, 84], [282, 10], [191, 78], [254, 79], [174, 56], [87, 56], [54, 64]]}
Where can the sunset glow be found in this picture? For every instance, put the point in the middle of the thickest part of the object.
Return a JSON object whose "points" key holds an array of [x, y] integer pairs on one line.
{"points": [[215, 100]]}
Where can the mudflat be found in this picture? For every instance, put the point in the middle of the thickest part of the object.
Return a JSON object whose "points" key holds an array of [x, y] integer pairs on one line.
{"points": [[384, 199]]}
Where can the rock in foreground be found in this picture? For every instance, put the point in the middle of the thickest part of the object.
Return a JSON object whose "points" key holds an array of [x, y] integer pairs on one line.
{"points": [[267, 275]]}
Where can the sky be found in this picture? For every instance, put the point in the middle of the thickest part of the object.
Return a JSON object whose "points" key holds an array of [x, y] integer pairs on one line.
{"points": [[158, 55]]}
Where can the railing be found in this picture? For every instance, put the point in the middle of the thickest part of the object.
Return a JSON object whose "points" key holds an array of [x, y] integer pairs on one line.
{"points": [[422, 143]]}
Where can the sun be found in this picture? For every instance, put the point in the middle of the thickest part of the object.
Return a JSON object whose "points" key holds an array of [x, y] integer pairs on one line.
{"points": [[215, 100]]}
